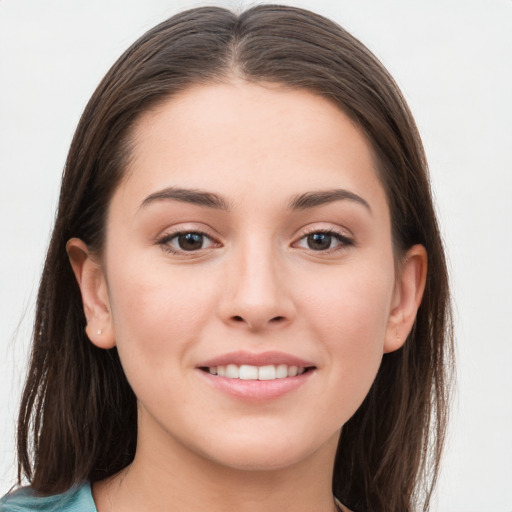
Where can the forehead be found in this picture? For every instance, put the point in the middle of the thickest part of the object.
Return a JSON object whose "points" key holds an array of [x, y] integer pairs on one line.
{"points": [[243, 139]]}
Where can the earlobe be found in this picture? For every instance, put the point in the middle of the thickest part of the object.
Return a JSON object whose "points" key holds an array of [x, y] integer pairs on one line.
{"points": [[407, 297], [93, 287]]}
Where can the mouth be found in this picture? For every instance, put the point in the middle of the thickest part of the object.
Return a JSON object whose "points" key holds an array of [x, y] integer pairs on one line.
{"points": [[251, 372], [257, 377]]}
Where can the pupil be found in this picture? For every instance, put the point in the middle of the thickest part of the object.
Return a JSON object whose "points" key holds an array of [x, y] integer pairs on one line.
{"points": [[319, 241], [190, 241]]}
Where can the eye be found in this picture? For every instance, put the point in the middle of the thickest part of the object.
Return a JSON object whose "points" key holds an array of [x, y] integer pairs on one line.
{"points": [[324, 241], [186, 241]]}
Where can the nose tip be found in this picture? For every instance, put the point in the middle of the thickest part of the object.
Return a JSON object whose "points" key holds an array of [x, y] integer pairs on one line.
{"points": [[255, 295]]}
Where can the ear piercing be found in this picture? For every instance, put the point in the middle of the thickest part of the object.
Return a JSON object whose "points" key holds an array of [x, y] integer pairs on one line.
{"points": [[98, 331]]}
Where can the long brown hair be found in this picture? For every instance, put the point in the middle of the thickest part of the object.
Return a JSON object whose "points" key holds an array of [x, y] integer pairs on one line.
{"points": [[78, 418]]}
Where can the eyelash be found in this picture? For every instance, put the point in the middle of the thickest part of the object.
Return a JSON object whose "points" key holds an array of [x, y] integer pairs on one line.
{"points": [[343, 240], [166, 239]]}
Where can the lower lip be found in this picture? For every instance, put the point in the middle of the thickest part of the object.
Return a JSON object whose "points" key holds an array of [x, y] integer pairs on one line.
{"points": [[257, 390]]}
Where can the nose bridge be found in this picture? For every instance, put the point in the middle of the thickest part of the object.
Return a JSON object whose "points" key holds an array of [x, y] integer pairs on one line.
{"points": [[255, 293]]}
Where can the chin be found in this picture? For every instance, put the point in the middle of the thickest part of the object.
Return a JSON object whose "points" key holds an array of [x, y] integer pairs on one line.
{"points": [[265, 460], [273, 454]]}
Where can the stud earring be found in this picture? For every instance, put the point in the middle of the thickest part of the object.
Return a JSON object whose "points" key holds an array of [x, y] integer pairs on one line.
{"points": [[98, 331]]}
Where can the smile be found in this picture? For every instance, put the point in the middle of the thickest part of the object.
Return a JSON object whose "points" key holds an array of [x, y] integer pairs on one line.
{"points": [[257, 377], [250, 372]]}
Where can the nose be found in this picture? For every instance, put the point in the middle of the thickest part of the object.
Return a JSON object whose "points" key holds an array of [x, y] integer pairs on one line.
{"points": [[256, 294]]}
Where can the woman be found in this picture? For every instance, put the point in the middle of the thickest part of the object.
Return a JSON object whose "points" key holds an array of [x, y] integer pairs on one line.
{"points": [[245, 300]]}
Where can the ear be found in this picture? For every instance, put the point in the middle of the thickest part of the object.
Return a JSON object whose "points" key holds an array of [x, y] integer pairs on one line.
{"points": [[93, 286], [407, 296]]}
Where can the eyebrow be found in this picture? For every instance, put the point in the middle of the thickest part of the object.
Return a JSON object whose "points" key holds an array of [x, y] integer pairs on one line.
{"points": [[322, 197], [210, 200], [185, 195]]}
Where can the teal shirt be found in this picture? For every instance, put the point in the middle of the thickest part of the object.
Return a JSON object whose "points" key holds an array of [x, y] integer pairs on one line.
{"points": [[77, 499]]}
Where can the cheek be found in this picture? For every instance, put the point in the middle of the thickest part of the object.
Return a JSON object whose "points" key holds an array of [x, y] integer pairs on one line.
{"points": [[349, 314], [156, 313], [354, 301]]}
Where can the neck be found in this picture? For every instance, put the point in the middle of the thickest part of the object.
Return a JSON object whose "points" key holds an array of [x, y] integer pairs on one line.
{"points": [[174, 479]]}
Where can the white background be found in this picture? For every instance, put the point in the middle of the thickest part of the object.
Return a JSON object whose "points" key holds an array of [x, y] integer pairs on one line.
{"points": [[453, 61]]}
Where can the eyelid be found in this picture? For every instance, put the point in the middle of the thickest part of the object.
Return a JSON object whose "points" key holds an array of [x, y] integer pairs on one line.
{"points": [[345, 240], [171, 233]]}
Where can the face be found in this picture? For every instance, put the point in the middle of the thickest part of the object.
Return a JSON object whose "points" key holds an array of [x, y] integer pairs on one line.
{"points": [[248, 274]]}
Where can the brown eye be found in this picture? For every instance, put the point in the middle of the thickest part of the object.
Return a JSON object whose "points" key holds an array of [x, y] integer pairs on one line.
{"points": [[186, 241], [319, 241], [324, 241], [190, 241]]}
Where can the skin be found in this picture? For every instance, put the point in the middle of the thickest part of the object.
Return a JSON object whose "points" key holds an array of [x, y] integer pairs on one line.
{"points": [[255, 284]]}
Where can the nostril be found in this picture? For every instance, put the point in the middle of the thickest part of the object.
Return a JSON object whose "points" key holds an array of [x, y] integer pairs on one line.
{"points": [[276, 319]]}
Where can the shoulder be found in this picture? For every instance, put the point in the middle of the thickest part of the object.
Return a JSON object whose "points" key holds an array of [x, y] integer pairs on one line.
{"points": [[77, 499]]}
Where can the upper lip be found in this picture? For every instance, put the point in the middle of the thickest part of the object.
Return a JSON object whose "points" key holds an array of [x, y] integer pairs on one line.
{"points": [[262, 359]]}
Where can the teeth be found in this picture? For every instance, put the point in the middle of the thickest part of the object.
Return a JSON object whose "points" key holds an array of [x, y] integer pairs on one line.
{"points": [[292, 371], [281, 371], [232, 371], [266, 372], [249, 372]]}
